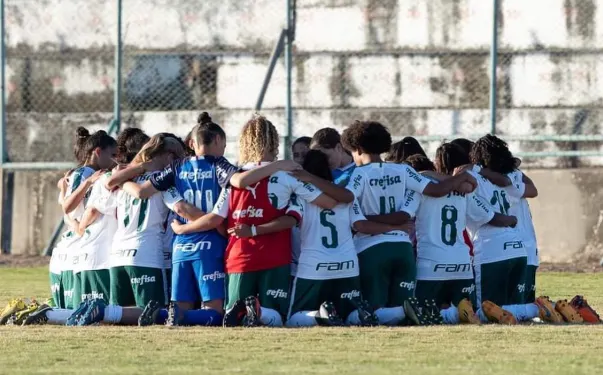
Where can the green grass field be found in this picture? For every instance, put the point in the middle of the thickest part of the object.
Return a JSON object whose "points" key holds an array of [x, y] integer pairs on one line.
{"points": [[535, 349]]}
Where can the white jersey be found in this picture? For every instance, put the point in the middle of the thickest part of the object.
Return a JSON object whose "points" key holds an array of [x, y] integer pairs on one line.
{"points": [[138, 240], [380, 189], [67, 248], [95, 243], [327, 244], [521, 209], [442, 253], [493, 244]]}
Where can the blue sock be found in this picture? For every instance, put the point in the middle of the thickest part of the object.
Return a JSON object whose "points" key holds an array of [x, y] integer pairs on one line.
{"points": [[202, 317], [162, 316]]}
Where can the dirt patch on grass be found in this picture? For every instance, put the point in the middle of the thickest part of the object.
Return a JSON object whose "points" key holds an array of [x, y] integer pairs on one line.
{"points": [[14, 261]]}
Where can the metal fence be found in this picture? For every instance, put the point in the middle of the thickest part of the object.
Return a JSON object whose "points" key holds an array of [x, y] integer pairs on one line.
{"points": [[530, 71]]}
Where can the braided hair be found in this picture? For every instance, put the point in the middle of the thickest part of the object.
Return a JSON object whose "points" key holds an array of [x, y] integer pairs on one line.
{"points": [[492, 152]]}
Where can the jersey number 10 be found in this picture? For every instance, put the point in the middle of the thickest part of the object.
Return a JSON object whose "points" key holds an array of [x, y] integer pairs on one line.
{"points": [[195, 197]]}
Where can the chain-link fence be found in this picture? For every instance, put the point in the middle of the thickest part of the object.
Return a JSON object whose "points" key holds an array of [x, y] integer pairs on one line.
{"points": [[59, 74], [420, 67]]}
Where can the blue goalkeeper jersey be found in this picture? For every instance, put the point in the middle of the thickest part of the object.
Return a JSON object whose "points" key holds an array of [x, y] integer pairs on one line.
{"points": [[199, 180]]}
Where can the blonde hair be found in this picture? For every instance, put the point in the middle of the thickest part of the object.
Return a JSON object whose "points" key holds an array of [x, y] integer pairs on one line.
{"points": [[258, 138], [159, 144]]}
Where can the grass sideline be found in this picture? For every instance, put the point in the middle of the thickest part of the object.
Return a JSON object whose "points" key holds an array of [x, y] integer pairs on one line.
{"points": [[419, 350]]}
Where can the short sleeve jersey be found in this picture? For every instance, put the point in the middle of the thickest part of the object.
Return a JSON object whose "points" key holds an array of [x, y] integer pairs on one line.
{"points": [[138, 240], [69, 243], [380, 189], [442, 253], [96, 242], [327, 244], [199, 180], [259, 204], [521, 209], [490, 243]]}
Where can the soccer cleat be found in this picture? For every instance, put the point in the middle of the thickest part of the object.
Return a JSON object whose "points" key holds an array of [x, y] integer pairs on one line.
{"points": [[586, 312], [366, 314], [38, 316], [466, 313], [432, 313], [149, 314], [75, 316], [547, 312], [414, 311], [19, 317], [234, 316], [173, 319], [50, 302], [328, 317], [13, 307], [252, 305], [568, 313], [496, 314], [94, 314]]}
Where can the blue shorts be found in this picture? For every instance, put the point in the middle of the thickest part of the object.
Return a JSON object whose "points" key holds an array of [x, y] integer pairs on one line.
{"points": [[197, 280]]}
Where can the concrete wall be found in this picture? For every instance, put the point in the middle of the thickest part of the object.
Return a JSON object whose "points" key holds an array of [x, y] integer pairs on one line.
{"points": [[567, 213], [420, 66]]}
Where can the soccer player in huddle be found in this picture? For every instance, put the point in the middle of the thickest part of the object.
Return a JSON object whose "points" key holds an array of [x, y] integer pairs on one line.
{"points": [[198, 256], [387, 262], [444, 272], [326, 287], [257, 268]]}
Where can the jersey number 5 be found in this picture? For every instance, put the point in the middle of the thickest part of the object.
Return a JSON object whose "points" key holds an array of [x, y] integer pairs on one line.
{"points": [[334, 241], [448, 229]]}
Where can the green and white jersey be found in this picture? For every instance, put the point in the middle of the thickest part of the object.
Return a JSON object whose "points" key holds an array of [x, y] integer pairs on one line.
{"points": [[95, 243], [327, 244], [75, 180], [490, 243], [138, 240], [69, 247], [380, 189], [442, 253], [521, 209], [295, 248]]}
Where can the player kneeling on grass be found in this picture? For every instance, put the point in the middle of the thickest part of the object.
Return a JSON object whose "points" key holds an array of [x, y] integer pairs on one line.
{"points": [[326, 288], [257, 268], [444, 273], [387, 261]]}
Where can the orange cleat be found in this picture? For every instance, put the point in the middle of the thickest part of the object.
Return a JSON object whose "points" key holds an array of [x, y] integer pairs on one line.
{"points": [[588, 314], [547, 310], [466, 313], [569, 314], [496, 314]]}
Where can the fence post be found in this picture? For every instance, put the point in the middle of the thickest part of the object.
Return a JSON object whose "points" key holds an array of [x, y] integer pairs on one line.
{"points": [[116, 125], [493, 65], [289, 68]]}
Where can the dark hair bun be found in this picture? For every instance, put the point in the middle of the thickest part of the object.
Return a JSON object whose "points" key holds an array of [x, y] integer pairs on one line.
{"points": [[204, 118], [82, 132]]}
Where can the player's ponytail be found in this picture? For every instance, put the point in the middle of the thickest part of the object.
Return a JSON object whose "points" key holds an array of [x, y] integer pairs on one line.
{"points": [[206, 131], [159, 145], [81, 135]]}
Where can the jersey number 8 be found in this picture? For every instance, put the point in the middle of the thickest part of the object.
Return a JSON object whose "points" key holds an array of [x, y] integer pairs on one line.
{"points": [[448, 229]]}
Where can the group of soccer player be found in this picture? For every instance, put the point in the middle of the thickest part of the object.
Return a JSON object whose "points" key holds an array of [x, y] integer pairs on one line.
{"points": [[167, 231]]}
